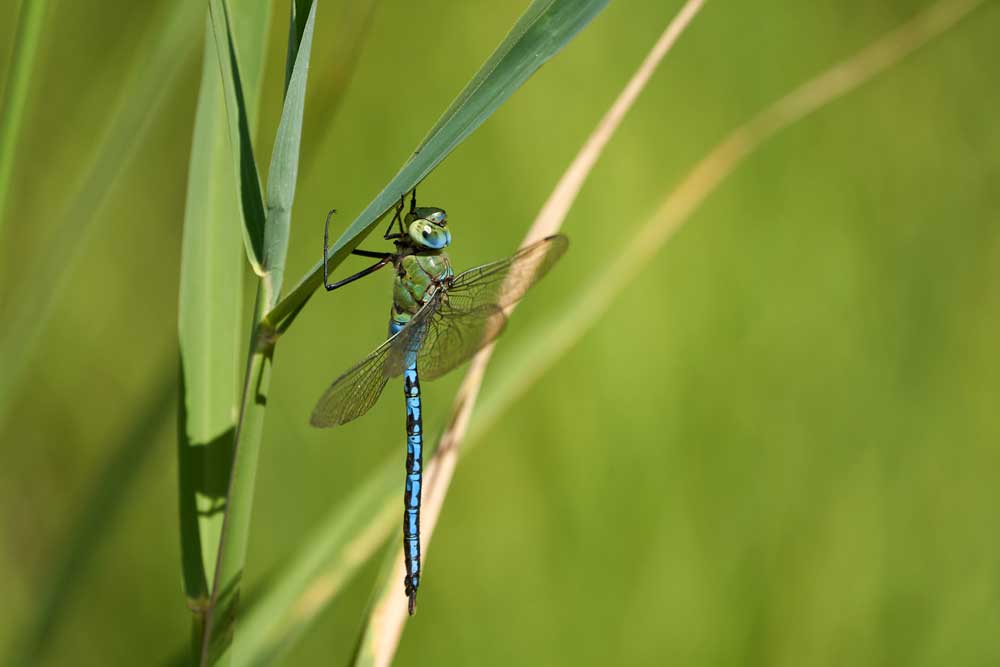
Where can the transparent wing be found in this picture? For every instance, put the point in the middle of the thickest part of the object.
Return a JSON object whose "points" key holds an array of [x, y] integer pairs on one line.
{"points": [[505, 281], [463, 317], [441, 337], [356, 391]]}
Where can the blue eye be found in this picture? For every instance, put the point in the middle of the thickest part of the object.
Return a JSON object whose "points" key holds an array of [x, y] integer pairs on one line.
{"points": [[427, 235]]}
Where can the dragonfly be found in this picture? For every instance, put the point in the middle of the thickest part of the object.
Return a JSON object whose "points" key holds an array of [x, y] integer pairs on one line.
{"points": [[438, 320]]}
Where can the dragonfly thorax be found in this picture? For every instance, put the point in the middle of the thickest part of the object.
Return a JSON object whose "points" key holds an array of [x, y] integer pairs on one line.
{"points": [[417, 275]]}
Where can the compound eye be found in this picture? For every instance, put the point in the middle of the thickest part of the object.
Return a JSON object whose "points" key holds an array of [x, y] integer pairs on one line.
{"points": [[427, 235]]}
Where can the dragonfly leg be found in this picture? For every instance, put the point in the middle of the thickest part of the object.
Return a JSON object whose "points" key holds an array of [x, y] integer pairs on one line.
{"points": [[360, 274], [396, 218], [326, 245], [384, 258], [370, 253]]}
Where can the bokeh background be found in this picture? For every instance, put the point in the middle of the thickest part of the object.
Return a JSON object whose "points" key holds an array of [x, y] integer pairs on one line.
{"points": [[778, 447]]}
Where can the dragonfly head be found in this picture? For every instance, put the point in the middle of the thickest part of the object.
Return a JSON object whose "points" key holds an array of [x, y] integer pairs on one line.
{"points": [[427, 227]]}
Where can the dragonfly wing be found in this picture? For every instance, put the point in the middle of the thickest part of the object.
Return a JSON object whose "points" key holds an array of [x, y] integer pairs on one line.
{"points": [[464, 317], [356, 391], [439, 337], [505, 281], [451, 336]]}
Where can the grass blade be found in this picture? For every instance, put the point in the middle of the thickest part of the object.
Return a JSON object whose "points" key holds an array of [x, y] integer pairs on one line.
{"points": [[209, 320], [299, 13], [210, 334], [15, 94], [283, 173], [301, 591], [240, 136], [217, 635], [540, 33]]}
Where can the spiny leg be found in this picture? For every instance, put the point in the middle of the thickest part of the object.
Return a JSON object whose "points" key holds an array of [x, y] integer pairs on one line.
{"points": [[370, 253], [360, 274], [384, 258], [396, 218]]}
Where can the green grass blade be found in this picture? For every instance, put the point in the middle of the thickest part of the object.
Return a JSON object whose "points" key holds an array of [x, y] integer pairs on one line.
{"points": [[210, 334], [541, 32], [215, 638], [217, 634], [240, 135], [251, 28], [15, 94], [283, 173], [175, 45], [298, 17], [210, 322]]}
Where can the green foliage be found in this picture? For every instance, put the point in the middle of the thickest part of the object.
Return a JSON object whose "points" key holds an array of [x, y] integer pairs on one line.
{"points": [[787, 415]]}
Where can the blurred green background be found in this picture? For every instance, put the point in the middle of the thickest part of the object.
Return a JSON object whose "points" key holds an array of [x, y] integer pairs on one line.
{"points": [[779, 447]]}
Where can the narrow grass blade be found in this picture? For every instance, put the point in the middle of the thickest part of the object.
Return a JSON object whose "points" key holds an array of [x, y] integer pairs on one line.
{"points": [[240, 135], [388, 614], [174, 47], [283, 173], [299, 593], [215, 638], [544, 29], [217, 635], [98, 512], [298, 16], [210, 321], [15, 94], [210, 333]]}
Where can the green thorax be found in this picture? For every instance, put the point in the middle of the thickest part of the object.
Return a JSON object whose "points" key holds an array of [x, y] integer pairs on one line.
{"points": [[416, 273]]}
